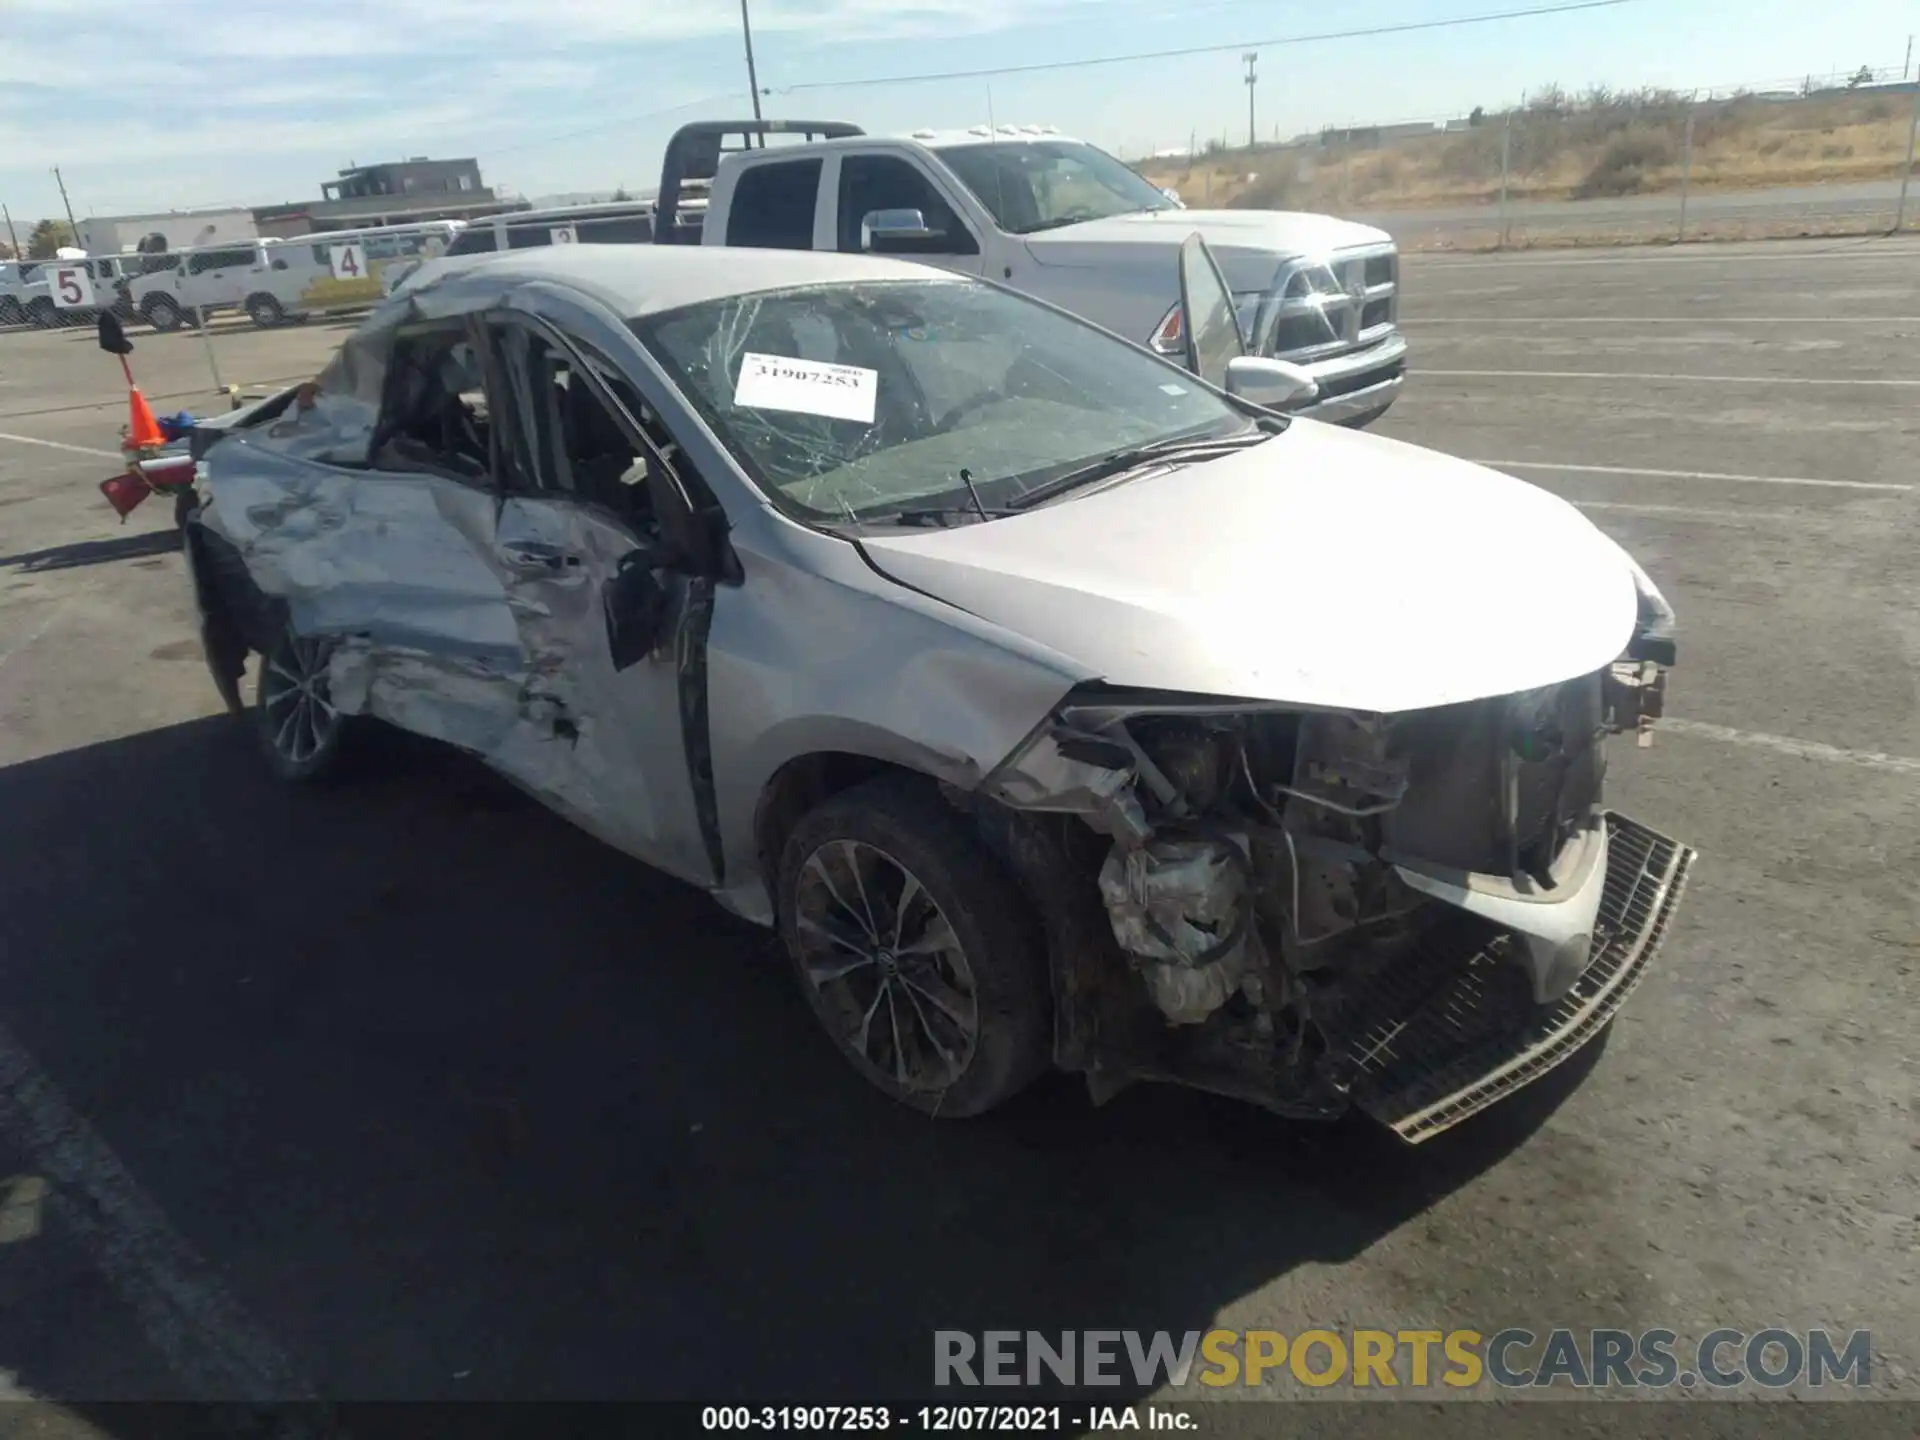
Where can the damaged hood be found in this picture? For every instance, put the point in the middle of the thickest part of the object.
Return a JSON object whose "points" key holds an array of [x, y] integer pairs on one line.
{"points": [[1249, 244], [1326, 567]]}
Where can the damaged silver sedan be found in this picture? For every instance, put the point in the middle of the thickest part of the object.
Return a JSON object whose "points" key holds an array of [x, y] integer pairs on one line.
{"points": [[1058, 704]]}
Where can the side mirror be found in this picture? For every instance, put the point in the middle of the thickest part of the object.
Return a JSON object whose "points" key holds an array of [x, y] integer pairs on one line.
{"points": [[635, 601], [113, 336], [1272, 383], [897, 231]]}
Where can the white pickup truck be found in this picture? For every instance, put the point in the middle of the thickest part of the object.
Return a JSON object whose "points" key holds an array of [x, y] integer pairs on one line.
{"points": [[1061, 220]]}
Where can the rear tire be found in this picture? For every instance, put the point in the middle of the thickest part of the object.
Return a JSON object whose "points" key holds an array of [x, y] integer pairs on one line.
{"points": [[163, 314], [299, 729], [11, 313], [918, 952], [265, 311], [43, 314]]}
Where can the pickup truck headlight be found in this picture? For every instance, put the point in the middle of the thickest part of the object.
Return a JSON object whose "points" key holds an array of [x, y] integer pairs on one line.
{"points": [[1170, 335]]}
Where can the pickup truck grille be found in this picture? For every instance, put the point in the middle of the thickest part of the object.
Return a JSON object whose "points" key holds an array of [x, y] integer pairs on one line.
{"points": [[1321, 308]]}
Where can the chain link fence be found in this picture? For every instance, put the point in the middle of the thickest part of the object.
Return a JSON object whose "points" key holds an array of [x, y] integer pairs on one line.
{"points": [[214, 322], [1825, 155]]}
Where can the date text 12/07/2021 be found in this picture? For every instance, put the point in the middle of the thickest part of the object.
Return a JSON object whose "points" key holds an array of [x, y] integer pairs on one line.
{"points": [[947, 1419]]}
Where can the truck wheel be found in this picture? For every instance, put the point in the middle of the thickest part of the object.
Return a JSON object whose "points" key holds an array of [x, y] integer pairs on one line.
{"points": [[917, 951], [162, 313], [42, 313], [265, 311], [1360, 422], [11, 313]]}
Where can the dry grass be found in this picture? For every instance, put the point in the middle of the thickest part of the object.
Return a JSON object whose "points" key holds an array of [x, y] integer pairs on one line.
{"points": [[1603, 144]]}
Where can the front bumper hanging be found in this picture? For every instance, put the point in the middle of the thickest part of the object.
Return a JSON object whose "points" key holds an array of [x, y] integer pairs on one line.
{"points": [[1453, 1028]]}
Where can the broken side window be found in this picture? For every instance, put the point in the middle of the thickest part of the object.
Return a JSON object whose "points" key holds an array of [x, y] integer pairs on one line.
{"points": [[435, 414], [568, 440]]}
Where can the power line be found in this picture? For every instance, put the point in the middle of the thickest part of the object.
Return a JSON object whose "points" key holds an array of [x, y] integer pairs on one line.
{"points": [[1370, 31]]}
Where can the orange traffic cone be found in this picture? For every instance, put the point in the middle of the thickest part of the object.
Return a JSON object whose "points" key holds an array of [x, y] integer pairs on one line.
{"points": [[145, 430]]}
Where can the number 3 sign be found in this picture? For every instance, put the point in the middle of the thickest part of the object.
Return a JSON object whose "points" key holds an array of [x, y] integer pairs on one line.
{"points": [[349, 262], [72, 287]]}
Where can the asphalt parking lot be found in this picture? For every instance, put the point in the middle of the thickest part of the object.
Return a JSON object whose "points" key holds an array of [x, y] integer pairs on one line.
{"points": [[407, 1090]]}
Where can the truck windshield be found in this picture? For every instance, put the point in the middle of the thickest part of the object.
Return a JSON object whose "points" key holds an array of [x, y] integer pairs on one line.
{"points": [[861, 400], [1030, 185]]}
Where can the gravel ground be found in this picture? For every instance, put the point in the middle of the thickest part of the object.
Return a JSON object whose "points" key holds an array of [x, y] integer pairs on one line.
{"points": [[407, 1090]]}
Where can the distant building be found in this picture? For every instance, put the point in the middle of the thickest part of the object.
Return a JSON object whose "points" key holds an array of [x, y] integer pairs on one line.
{"points": [[116, 234], [388, 194]]}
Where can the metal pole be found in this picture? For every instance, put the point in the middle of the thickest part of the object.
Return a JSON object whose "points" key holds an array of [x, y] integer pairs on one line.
{"points": [[1686, 171], [753, 80], [1506, 159], [1906, 163], [12, 239], [200, 320], [73, 227], [1252, 79]]}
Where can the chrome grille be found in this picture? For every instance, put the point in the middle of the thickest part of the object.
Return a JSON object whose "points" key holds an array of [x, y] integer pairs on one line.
{"points": [[1321, 308], [1475, 1037]]}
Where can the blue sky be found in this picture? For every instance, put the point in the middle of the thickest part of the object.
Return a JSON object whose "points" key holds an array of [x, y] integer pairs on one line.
{"points": [[174, 103]]}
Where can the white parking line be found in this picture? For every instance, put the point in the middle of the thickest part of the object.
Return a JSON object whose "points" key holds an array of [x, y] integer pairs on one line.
{"points": [[61, 445], [1787, 745], [1688, 512], [1478, 320], [1691, 475], [1665, 379], [211, 1344]]}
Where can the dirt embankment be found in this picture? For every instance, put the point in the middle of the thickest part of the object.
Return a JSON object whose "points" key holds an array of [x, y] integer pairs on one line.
{"points": [[1564, 149]]}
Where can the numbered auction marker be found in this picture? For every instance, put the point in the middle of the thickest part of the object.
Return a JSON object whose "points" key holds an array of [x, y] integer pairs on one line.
{"points": [[563, 235], [349, 262], [72, 287]]}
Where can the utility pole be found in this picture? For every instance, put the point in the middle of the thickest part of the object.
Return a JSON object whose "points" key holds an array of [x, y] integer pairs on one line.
{"points": [[753, 80], [1252, 79], [1904, 64], [1906, 163], [12, 239], [73, 227]]}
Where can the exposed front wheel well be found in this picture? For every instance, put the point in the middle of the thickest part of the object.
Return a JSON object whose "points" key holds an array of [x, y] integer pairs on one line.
{"points": [[801, 785]]}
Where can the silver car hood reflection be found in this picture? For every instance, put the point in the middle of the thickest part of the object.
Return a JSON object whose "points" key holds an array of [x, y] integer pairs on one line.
{"points": [[1325, 568]]}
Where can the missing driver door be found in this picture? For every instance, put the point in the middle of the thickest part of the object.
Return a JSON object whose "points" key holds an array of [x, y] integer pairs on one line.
{"points": [[579, 503]]}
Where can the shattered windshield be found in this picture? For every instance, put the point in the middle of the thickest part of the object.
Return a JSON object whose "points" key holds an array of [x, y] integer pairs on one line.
{"points": [[858, 401], [1034, 185]]}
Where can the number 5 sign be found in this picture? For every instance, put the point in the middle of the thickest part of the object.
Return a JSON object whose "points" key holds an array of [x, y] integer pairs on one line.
{"points": [[72, 287], [349, 262]]}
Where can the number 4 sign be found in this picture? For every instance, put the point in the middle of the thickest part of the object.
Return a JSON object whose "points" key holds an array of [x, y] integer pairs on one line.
{"points": [[72, 287], [349, 262]]}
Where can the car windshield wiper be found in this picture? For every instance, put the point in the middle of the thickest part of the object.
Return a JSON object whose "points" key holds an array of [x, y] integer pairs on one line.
{"points": [[941, 515], [1121, 461]]}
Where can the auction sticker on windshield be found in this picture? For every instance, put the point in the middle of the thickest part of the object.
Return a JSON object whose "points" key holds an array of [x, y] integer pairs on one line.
{"points": [[807, 387]]}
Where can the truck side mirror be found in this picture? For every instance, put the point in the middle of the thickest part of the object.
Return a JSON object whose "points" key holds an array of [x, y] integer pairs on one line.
{"points": [[896, 232], [113, 337]]}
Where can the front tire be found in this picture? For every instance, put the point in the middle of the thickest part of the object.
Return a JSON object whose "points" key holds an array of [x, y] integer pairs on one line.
{"points": [[294, 716], [43, 314], [265, 311], [918, 953], [163, 314]]}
